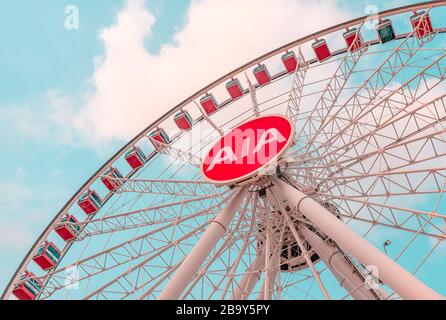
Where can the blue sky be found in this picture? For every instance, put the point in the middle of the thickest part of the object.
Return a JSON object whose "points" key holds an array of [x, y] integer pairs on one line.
{"points": [[46, 74], [40, 55]]}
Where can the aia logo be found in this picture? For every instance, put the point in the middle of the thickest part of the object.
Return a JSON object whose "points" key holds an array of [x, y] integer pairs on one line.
{"points": [[247, 149]]}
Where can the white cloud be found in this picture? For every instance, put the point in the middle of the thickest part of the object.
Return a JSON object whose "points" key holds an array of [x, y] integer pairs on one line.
{"points": [[14, 237], [14, 193], [133, 87], [20, 223], [12, 234], [46, 118]]}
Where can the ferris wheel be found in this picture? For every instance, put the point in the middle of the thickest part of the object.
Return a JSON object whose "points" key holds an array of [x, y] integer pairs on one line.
{"points": [[315, 171]]}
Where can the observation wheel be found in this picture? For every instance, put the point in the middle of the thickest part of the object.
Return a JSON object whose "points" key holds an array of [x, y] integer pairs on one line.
{"points": [[347, 202]]}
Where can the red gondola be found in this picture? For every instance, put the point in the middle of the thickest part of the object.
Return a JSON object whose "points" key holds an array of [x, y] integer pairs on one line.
{"points": [[27, 288], [109, 181], [234, 88], [90, 202], [353, 39], [290, 61], [423, 22], [262, 74], [47, 256], [183, 120], [66, 229], [159, 135], [209, 104], [135, 158], [321, 50]]}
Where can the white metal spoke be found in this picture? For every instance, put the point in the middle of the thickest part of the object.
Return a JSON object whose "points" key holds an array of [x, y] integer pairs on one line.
{"points": [[253, 94], [395, 217], [169, 187], [194, 259], [301, 245], [295, 96], [326, 221], [148, 216], [175, 153], [124, 280], [393, 104], [330, 95], [230, 273], [115, 256], [368, 91], [229, 240], [410, 152]]}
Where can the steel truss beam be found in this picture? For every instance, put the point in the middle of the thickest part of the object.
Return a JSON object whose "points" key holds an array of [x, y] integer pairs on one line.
{"points": [[158, 186], [228, 242], [307, 257], [124, 252], [347, 273], [362, 97], [143, 278], [128, 281], [404, 283], [330, 95], [398, 218], [394, 104], [175, 153], [230, 273], [297, 87], [410, 123], [188, 268], [409, 152], [381, 166], [272, 243], [153, 215], [250, 277], [253, 95]]}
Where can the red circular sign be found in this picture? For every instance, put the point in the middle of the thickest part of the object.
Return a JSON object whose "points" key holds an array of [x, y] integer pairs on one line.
{"points": [[247, 149]]}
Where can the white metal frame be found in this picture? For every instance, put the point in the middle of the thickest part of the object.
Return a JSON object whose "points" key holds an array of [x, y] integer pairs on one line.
{"points": [[342, 156]]}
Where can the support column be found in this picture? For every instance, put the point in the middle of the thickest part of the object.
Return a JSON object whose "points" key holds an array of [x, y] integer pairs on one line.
{"points": [[250, 278], [192, 262], [267, 288], [402, 282], [340, 268], [300, 244]]}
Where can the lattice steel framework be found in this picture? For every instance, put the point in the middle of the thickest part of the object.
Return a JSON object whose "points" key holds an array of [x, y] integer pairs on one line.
{"points": [[367, 165]]}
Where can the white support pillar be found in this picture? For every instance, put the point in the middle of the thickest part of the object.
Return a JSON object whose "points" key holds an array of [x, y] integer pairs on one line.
{"points": [[339, 267], [192, 262], [300, 244], [267, 288], [404, 283], [250, 278]]}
